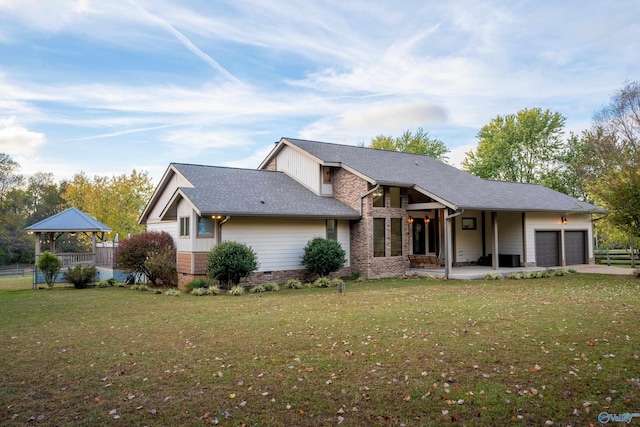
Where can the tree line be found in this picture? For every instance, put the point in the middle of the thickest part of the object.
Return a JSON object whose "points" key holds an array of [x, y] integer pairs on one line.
{"points": [[600, 165], [116, 201]]}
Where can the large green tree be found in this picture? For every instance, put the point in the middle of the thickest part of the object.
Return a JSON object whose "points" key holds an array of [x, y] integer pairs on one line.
{"points": [[15, 244], [611, 160], [115, 201], [522, 147], [409, 142]]}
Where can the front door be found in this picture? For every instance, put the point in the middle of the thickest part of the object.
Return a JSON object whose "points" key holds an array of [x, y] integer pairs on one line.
{"points": [[419, 247]]}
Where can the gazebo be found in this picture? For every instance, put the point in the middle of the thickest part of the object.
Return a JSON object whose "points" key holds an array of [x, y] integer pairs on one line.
{"points": [[70, 221]]}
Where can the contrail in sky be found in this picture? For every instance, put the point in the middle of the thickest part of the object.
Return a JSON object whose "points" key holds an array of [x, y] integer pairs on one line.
{"points": [[185, 41]]}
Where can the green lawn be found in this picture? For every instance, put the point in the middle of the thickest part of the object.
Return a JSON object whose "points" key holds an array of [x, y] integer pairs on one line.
{"points": [[391, 352]]}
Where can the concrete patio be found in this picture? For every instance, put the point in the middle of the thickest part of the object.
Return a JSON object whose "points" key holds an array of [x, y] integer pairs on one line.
{"points": [[476, 272]]}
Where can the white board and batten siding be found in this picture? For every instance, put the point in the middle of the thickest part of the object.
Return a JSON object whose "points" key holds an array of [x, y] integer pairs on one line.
{"points": [[173, 183], [279, 242], [510, 234], [468, 242], [170, 227], [300, 167], [542, 221], [192, 243]]}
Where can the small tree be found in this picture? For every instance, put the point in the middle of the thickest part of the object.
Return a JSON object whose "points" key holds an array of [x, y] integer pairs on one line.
{"points": [[152, 254], [50, 266], [322, 256], [229, 262]]}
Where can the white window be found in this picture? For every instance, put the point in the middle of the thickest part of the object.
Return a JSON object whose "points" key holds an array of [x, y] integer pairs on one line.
{"points": [[184, 226], [332, 229]]}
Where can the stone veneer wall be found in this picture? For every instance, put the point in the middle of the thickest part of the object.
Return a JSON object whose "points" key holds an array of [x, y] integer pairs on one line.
{"points": [[271, 166], [348, 188]]}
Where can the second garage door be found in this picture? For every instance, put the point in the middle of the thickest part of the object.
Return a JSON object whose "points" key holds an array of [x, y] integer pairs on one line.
{"points": [[575, 248], [547, 248]]}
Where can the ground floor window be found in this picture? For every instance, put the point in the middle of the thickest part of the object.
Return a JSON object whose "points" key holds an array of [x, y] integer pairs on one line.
{"points": [[332, 229], [205, 226], [184, 226], [396, 236], [378, 237]]}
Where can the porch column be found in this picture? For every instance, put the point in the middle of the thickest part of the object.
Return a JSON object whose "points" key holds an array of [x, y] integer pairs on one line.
{"points": [[37, 245], [494, 221], [53, 243], [447, 245]]}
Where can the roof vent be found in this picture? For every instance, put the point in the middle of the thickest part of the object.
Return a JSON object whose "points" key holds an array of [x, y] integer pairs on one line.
{"points": [[262, 201]]}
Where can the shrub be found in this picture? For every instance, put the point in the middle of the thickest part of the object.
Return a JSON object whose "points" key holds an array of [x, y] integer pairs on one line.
{"points": [[236, 290], [257, 289], [152, 254], [80, 275], [214, 290], [162, 265], [322, 256], [272, 286], [140, 287], [231, 261], [200, 292], [50, 266], [197, 283], [355, 275], [516, 276], [323, 282], [293, 284], [494, 276], [173, 292]]}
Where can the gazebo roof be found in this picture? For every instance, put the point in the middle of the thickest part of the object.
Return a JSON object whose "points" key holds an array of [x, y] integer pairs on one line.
{"points": [[70, 220]]}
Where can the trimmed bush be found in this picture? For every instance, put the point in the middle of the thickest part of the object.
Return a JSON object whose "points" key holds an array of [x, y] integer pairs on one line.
{"points": [[236, 290], [200, 292], [257, 289], [229, 262], [322, 256], [323, 282], [293, 284], [197, 283], [50, 266], [272, 287], [80, 275], [173, 292], [494, 276]]}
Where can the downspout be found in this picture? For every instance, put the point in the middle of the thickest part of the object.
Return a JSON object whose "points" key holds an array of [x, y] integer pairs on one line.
{"points": [[365, 195], [219, 236], [447, 243]]}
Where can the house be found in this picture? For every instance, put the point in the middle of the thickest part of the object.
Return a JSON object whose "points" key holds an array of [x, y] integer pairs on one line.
{"points": [[387, 209]]}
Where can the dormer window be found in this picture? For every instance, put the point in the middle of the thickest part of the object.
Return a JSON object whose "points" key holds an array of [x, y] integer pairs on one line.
{"points": [[326, 175]]}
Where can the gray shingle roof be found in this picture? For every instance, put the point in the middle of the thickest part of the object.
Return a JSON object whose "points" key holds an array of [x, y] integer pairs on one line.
{"points": [[230, 191], [457, 188], [72, 219]]}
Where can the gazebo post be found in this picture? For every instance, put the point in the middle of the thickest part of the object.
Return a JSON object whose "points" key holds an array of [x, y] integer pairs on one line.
{"points": [[34, 285]]}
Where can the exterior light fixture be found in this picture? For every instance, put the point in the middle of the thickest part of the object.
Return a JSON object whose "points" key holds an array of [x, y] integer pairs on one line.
{"points": [[564, 220], [427, 220], [410, 220]]}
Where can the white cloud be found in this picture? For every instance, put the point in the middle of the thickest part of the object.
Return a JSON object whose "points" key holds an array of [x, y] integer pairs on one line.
{"points": [[394, 115], [17, 140]]}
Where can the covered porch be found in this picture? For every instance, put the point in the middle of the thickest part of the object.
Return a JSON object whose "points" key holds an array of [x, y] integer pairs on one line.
{"points": [[472, 272]]}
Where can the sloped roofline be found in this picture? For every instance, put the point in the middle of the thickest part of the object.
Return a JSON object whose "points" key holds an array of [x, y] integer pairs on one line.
{"points": [[284, 141], [164, 181], [69, 220]]}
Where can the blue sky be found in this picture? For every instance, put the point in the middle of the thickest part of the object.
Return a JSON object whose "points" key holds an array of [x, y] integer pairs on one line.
{"points": [[106, 87]]}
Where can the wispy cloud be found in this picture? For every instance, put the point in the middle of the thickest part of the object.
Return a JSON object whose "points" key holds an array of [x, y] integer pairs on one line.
{"points": [[185, 41]]}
